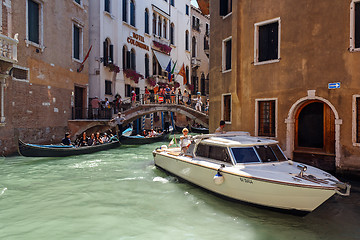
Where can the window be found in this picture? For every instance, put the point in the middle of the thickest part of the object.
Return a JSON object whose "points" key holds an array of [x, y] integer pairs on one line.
{"points": [[154, 65], [172, 31], [133, 59], [124, 10], [213, 152], [226, 51], [147, 72], [107, 6], [266, 118], [357, 118], [187, 40], [207, 29], [77, 42], [225, 7], [245, 155], [159, 26], [124, 57], [206, 43], [165, 29], [187, 73], [147, 21], [154, 24], [226, 108], [267, 45], [78, 1], [34, 24], [132, 13], [355, 25], [127, 90], [187, 9], [108, 49], [193, 47], [108, 85], [172, 3], [196, 23], [20, 73], [270, 153]]}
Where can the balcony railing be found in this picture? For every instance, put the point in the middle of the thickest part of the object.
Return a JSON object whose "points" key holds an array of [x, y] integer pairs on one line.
{"points": [[8, 48]]}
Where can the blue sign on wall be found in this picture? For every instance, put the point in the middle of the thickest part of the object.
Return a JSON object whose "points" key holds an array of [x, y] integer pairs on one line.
{"points": [[334, 85]]}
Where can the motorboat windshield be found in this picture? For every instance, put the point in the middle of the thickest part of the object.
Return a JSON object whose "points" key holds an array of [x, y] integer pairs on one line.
{"points": [[258, 153]]}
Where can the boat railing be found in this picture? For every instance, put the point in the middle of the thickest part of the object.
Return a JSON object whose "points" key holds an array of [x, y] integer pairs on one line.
{"points": [[228, 134]]}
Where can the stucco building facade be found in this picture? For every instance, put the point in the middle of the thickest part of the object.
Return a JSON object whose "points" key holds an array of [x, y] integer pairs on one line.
{"points": [[288, 70], [44, 83], [133, 42]]}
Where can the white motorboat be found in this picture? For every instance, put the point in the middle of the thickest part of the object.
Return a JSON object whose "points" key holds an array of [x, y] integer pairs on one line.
{"points": [[250, 169]]}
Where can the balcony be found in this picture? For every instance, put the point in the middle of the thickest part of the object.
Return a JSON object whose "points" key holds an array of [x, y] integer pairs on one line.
{"points": [[195, 62], [8, 48]]}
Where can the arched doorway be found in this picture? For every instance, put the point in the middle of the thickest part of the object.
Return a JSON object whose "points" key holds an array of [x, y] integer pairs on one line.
{"points": [[315, 135]]}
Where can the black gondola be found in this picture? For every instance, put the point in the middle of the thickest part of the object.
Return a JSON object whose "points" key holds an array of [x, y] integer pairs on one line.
{"points": [[199, 130], [34, 150], [179, 129], [139, 140]]}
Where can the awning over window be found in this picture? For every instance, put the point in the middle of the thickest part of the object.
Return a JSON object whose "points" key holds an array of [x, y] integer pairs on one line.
{"points": [[162, 58]]}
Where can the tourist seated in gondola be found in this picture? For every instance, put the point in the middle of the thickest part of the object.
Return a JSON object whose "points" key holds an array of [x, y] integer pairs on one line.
{"points": [[66, 140], [152, 133], [91, 140], [98, 139], [144, 133], [105, 138], [83, 141]]}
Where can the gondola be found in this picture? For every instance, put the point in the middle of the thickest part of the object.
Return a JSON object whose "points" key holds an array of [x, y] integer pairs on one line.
{"points": [[139, 140], [179, 129], [34, 150], [199, 130]]}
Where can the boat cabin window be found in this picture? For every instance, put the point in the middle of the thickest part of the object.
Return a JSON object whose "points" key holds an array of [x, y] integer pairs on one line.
{"points": [[213, 152], [245, 155], [270, 153]]}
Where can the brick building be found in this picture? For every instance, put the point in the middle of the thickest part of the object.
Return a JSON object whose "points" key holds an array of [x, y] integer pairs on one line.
{"points": [[40, 86]]}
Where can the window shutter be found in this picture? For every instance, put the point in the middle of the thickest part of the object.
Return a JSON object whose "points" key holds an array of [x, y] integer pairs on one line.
{"points": [[111, 57], [106, 57]]}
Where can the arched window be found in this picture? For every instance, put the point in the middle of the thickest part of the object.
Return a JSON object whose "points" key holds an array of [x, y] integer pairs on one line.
{"points": [[154, 64], [132, 59], [165, 28], [147, 21], [193, 47], [108, 49], [124, 10], [187, 40], [187, 73], [107, 6], [125, 57], [154, 24], [172, 33], [147, 72], [132, 13], [159, 27]]}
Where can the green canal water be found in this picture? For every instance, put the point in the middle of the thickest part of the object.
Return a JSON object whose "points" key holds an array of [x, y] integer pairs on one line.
{"points": [[119, 194]]}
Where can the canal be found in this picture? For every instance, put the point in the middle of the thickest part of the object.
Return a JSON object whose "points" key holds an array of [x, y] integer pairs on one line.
{"points": [[119, 194]]}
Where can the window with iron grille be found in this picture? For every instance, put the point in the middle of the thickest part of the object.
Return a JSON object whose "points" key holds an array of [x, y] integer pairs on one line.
{"points": [[266, 118], [108, 86]]}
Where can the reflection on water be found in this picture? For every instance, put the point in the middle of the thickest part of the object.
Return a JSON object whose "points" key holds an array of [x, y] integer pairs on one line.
{"points": [[119, 194]]}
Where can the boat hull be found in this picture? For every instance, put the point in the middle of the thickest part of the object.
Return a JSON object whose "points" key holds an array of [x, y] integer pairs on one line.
{"points": [[199, 130], [247, 189], [133, 140], [31, 150]]}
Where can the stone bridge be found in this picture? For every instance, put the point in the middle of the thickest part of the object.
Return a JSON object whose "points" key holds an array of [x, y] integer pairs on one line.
{"points": [[78, 126]]}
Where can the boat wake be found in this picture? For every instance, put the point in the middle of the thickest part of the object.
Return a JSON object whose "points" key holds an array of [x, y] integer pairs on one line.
{"points": [[127, 179], [3, 191], [160, 179]]}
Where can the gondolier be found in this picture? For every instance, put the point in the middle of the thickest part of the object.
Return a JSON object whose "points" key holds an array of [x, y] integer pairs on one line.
{"points": [[119, 121]]}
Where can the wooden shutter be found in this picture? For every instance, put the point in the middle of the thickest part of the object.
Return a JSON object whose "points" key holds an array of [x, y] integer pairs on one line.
{"points": [[111, 53]]}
